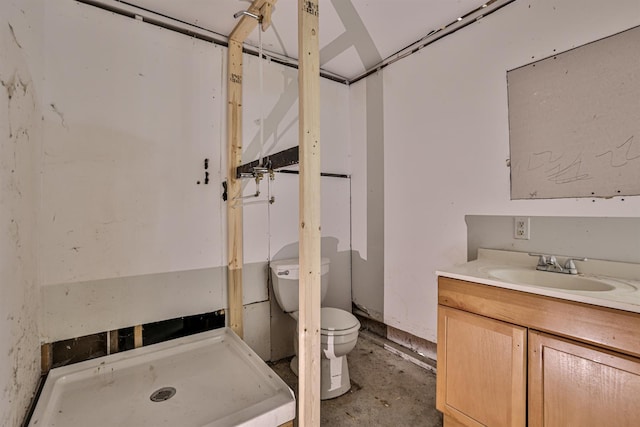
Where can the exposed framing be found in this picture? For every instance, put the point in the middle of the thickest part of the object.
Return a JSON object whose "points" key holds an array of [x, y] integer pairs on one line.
{"points": [[234, 157], [309, 226], [137, 336]]}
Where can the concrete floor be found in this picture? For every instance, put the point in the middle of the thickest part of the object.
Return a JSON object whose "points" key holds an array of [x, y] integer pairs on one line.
{"points": [[386, 390]]}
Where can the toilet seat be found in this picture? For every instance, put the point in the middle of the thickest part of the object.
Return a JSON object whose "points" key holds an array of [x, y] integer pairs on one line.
{"points": [[334, 321]]}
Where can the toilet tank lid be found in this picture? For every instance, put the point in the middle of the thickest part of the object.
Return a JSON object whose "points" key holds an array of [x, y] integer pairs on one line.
{"points": [[291, 264]]}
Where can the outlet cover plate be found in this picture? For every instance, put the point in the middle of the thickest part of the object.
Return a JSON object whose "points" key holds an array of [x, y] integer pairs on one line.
{"points": [[522, 228]]}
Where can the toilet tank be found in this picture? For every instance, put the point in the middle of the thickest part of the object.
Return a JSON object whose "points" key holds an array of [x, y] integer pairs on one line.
{"points": [[285, 274]]}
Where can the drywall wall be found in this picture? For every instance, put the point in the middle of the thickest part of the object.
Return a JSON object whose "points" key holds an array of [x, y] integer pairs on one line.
{"points": [[20, 136], [573, 122], [607, 238], [368, 195], [446, 142], [131, 111]]}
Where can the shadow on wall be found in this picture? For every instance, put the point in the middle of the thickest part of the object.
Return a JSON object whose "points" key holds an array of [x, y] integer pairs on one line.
{"points": [[368, 287]]}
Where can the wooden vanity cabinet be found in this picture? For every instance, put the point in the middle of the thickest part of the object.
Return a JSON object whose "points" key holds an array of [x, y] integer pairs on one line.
{"points": [[486, 382], [509, 358], [572, 384]]}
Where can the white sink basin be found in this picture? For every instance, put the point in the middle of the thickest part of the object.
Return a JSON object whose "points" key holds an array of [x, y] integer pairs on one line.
{"points": [[603, 283], [551, 280]]}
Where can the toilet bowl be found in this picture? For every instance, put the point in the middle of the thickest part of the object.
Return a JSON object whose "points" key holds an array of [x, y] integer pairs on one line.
{"points": [[338, 336], [338, 328]]}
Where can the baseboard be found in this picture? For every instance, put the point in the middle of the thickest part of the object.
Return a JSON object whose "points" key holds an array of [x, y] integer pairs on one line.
{"points": [[419, 345], [411, 348], [371, 325]]}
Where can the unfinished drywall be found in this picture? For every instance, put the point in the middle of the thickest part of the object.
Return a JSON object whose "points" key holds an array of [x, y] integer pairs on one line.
{"points": [[447, 147], [20, 135], [573, 122], [130, 231]]}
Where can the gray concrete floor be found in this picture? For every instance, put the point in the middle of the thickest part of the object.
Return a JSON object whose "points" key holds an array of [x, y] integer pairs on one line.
{"points": [[386, 390]]}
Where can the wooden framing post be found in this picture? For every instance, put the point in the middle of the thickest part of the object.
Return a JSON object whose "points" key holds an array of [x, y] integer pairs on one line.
{"points": [[234, 186], [46, 358], [234, 158], [137, 336], [309, 227]]}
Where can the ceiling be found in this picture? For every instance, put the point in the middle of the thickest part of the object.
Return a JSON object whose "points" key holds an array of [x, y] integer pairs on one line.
{"points": [[355, 35]]}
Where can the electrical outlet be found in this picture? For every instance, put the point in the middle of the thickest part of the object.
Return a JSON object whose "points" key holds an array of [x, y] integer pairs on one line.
{"points": [[522, 228]]}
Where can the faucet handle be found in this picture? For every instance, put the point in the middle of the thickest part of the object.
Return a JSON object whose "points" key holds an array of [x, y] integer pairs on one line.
{"points": [[571, 266], [542, 259]]}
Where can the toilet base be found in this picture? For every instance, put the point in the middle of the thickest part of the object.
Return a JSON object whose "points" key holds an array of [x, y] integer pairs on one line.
{"points": [[334, 376]]}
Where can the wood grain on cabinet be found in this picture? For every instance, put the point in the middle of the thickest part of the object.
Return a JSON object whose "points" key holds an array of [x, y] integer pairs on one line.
{"points": [[447, 421], [572, 384], [602, 326], [481, 370]]}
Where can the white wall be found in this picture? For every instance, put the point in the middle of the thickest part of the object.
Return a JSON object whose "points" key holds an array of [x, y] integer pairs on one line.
{"points": [[131, 111], [446, 142], [605, 238], [20, 139], [368, 195]]}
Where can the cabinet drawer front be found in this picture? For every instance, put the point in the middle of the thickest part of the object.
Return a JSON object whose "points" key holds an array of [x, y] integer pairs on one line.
{"points": [[574, 384], [600, 326], [481, 377]]}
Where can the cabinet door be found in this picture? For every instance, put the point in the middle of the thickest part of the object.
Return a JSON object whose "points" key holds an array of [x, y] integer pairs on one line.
{"points": [[481, 377], [573, 384]]}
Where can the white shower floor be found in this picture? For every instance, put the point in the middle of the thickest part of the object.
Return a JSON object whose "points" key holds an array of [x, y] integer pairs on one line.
{"points": [[218, 381]]}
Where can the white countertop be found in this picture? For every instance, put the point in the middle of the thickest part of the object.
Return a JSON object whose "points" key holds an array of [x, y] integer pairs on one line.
{"points": [[623, 277]]}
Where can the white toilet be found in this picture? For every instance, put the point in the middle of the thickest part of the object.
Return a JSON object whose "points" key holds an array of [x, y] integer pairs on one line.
{"points": [[339, 328]]}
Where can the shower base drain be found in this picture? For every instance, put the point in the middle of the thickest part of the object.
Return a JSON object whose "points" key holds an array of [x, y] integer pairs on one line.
{"points": [[162, 394]]}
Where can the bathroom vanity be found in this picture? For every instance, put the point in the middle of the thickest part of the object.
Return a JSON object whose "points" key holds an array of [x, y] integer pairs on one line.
{"points": [[521, 347]]}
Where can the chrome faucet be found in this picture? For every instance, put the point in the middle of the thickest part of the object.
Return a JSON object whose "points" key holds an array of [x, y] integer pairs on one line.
{"points": [[551, 264]]}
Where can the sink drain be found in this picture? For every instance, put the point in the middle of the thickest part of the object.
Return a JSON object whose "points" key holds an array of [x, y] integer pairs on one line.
{"points": [[162, 394]]}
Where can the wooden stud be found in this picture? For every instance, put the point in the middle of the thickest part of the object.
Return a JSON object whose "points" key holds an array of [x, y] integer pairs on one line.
{"points": [[113, 341], [234, 158], [309, 227], [137, 336], [265, 12], [234, 186], [46, 357]]}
